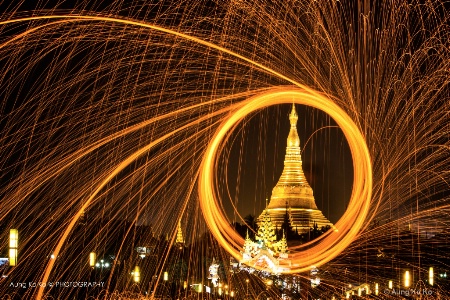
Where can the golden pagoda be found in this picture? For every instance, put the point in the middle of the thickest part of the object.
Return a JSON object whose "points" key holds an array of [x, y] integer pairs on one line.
{"points": [[292, 195]]}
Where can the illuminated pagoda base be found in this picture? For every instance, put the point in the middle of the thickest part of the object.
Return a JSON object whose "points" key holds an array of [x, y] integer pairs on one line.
{"points": [[292, 194], [266, 253]]}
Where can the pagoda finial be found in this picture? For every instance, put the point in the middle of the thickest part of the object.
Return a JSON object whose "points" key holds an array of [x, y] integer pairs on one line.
{"points": [[293, 139], [293, 117]]}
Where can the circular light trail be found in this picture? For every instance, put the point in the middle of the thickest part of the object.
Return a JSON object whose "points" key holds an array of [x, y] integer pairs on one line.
{"points": [[333, 242]]}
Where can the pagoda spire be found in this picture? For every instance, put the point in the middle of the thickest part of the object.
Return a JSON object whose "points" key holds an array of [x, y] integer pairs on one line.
{"points": [[293, 172], [293, 117], [248, 247], [180, 239]]}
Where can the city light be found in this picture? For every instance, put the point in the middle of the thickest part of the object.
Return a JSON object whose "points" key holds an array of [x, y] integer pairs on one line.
{"points": [[12, 257], [13, 245], [136, 274], [102, 264], [431, 276], [407, 278], [166, 276], [92, 259], [376, 289], [390, 284]]}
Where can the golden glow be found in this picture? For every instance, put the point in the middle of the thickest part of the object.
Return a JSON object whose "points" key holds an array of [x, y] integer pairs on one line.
{"points": [[92, 259], [125, 163], [376, 86], [431, 276], [185, 284], [376, 289], [136, 274], [353, 219], [390, 284], [407, 278], [166, 276]]}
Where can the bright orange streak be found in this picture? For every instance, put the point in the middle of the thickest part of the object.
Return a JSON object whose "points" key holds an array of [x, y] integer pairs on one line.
{"points": [[29, 31], [353, 219], [67, 162], [211, 212], [77, 18], [113, 174]]}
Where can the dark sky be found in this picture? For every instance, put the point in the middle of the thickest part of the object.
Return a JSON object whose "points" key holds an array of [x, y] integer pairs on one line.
{"points": [[256, 160]]}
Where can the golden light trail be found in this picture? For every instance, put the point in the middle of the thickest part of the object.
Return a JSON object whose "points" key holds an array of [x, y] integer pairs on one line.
{"points": [[121, 166], [188, 37], [348, 226], [107, 111], [78, 18]]}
